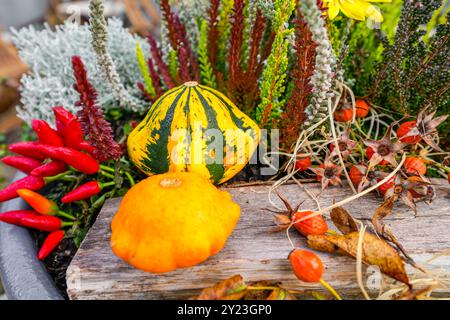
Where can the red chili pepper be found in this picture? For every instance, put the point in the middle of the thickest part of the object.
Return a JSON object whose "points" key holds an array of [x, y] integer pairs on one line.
{"points": [[28, 149], [29, 182], [44, 223], [50, 243], [14, 217], [38, 202], [62, 117], [46, 134], [79, 160], [22, 163], [72, 134], [41, 204], [68, 127], [51, 168], [85, 146], [85, 191]]}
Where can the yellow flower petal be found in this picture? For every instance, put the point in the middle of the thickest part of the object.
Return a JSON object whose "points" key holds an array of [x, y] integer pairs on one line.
{"points": [[333, 10], [374, 14], [355, 9]]}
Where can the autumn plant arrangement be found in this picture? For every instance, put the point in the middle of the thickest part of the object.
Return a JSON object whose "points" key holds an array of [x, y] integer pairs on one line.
{"points": [[357, 92]]}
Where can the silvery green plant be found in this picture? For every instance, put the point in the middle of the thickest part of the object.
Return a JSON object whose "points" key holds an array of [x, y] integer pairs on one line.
{"points": [[325, 62], [48, 52]]}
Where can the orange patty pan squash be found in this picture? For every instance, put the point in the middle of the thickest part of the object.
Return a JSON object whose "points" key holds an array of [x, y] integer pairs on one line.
{"points": [[172, 220]]}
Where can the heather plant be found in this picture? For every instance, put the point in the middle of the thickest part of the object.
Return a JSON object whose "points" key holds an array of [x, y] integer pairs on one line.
{"points": [[95, 127], [325, 62], [410, 74], [274, 75]]}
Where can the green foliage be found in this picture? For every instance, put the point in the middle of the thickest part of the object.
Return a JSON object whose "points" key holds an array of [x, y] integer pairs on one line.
{"points": [[335, 31], [224, 28], [206, 72], [173, 63], [439, 17], [391, 14], [410, 76], [364, 52], [247, 29], [274, 74], [143, 68]]}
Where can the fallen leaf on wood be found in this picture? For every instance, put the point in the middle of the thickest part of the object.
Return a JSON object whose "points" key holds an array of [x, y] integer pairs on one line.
{"points": [[268, 290], [343, 220], [260, 294], [375, 252], [320, 243], [233, 288], [384, 210]]}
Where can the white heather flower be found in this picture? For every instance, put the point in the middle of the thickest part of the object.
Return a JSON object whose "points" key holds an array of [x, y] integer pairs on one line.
{"points": [[325, 62], [97, 26]]}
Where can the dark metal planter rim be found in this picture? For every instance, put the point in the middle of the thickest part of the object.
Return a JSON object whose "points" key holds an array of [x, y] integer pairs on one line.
{"points": [[24, 277]]}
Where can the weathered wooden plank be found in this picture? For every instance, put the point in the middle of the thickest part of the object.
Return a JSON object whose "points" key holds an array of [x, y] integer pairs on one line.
{"points": [[255, 252]]}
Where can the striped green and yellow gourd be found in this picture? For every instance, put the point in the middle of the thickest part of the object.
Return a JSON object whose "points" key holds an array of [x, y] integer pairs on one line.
{"points": [[194, 128]]}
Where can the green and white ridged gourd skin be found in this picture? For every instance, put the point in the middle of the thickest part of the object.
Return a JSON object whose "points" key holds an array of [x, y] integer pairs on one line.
{"points": [[197, 129]]}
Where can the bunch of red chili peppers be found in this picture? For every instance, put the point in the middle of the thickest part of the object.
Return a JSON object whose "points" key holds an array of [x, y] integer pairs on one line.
{"points": [[55, 154]]}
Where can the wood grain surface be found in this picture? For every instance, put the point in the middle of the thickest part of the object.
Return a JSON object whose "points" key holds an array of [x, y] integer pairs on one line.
{"points": [[259, 254]]}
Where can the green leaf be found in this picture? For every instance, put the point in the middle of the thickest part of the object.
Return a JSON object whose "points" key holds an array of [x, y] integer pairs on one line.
{"points": [[206, 71], [144, 70]]}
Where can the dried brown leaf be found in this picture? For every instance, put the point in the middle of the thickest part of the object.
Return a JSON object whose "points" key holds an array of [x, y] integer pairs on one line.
{"points": [[375, 251], [343, 220], [233, 288], [260, 294], [267, 290], [384, 210], [381, 212], [321, 243]]}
